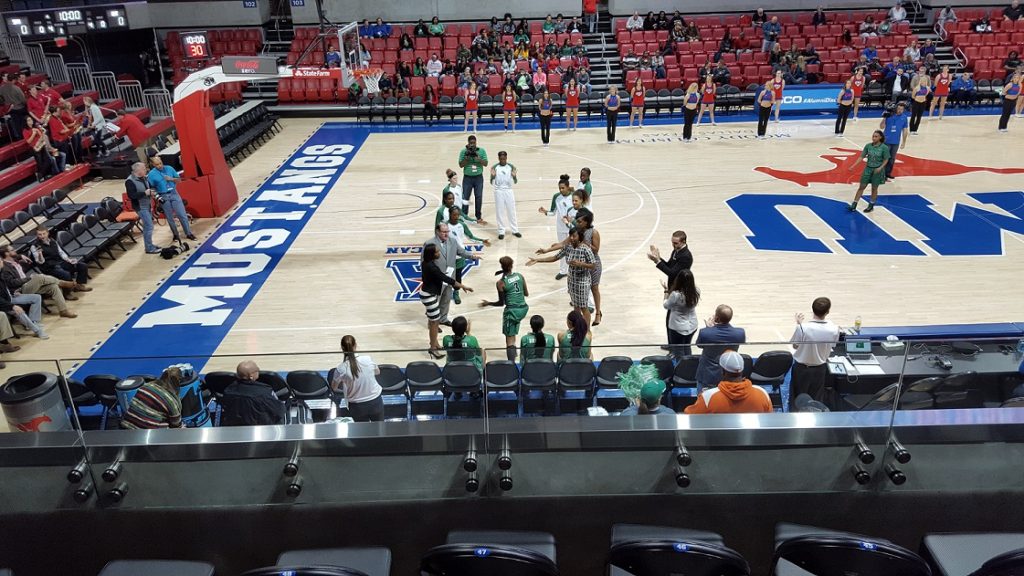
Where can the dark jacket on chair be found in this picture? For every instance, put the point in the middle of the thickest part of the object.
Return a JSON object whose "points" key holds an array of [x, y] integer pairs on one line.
{"points": [[251, 404]]}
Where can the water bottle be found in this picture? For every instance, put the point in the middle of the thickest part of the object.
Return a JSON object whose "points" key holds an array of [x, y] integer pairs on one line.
{"points": [[856, 325]]}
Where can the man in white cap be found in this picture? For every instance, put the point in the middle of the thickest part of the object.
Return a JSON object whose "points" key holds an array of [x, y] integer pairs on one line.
{"points": [[734, 394]]}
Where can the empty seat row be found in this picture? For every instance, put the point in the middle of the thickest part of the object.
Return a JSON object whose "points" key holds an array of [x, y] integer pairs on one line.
{"points": [[643, 550]]}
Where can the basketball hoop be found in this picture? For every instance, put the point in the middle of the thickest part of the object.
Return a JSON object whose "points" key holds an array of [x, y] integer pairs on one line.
{"points": [[371, 78]]}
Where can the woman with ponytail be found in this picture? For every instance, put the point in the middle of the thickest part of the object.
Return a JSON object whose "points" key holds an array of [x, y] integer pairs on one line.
{"points": [[574, 342], [537, 344], [463, 346], [512, 293], [356, 376]]}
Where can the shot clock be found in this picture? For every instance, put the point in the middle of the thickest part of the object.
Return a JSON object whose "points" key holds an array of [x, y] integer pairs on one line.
{"points": [[195, 45]]}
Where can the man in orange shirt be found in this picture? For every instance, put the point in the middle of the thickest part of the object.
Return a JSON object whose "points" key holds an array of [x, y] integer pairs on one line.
{"points": [[734, 394]]}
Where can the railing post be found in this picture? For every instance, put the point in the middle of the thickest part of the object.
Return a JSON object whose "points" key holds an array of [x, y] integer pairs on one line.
{"points": [[131, 92]]}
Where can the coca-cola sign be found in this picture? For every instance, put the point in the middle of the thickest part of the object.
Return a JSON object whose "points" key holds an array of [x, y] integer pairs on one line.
{"points": [[249, 65]]}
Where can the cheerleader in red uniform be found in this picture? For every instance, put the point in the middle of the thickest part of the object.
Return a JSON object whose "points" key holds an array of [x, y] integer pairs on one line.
{"points": [[857, 84], [942, 82], [508, 106], [572, 105], [637, 102], [778, 85], [472, 105], [707, 100]]}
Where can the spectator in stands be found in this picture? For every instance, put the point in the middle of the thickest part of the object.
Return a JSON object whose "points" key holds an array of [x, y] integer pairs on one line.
{"points": [[771, 29], [759, 17], [741, 43], [930, 65], [870, 53], [718, 336], [964, 92], [692, 33], [664, 23], [947, 14], [724, 46], [333, 57], [677, 17], [60, 135], [810, 54], [49, 160], [1013, 12], [508, 65], [356, 376], [885, 27], [495, 25], [434, 66], [380, 29], [53, 260], [868, 27], [12, 96], [645, 61], [897, 13], [734, 394], [430, 106], [579, 51], [522, 51], [635, 22], [129, 126], [574, 25], [140, 195], [658, 65], [550, 49], [777, 58], [12, 305], [36, 106], [583, 79], [678, 32], [912, 53], [560, 27], [721, 74], [893, 75], [1011, 64], [385, 85], [812, 345], [522, 83], [630, 61], [521, 37], [540, 80], [365, 30], [590, 14], [463, 54], [928, 48], [508, 26], [419, 68], [421, 30], [436, 29], [650, 21], [846, 42], [249, 402], [649, 401], [548, 27], [405, 42], [981, 25], [819, 17], [796, 74], [13, 274], [465, 79], [156, 404], [565, 51]]}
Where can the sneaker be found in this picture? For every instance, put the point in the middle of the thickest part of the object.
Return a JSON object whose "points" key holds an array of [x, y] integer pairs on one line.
{"points": [[852, 207], [559, 276], [870, 207], [42, 336], [517, 234], [153, 251], [501, 236], [856, 119], [191, 237], [456, 298]]}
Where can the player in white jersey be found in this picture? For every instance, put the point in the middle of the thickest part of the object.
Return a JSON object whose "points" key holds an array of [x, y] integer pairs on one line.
{"points": [[561, 203], [503, 176]]}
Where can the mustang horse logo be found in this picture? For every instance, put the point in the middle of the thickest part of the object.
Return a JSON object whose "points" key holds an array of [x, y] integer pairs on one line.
{"points": [[843, 173], [33, 424]]}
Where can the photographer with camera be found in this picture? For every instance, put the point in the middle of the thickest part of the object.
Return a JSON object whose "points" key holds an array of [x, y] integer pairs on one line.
{"points": [[895, 128], [164, 182], [136, 185], [472, 161]]}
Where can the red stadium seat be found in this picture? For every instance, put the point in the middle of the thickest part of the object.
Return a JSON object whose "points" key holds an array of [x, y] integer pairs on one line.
{"points": [[311, 91], [284, 90], [448, 87]]}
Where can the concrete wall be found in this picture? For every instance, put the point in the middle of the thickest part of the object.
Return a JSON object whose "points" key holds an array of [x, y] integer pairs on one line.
{"points": [[199, 15], [406, 10]]}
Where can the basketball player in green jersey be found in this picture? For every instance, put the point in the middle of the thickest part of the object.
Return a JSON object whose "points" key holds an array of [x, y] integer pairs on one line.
{"points": [[512, 293]]}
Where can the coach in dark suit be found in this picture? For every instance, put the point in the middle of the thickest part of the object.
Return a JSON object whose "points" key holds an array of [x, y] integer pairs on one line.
{"points": [[680, 260]]}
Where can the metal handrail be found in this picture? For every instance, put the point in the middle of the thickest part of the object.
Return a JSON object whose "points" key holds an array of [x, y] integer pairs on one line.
{"points": [[961, 56]]}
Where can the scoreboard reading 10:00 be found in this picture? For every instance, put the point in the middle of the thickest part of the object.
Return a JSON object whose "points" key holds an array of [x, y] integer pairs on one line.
{"points": [[65, 21]]}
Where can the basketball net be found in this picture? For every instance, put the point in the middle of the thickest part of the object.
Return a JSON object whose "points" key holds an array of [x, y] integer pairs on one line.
{"points": [[371, 78]]}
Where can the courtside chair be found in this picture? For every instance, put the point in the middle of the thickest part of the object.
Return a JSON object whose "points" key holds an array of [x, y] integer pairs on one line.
{"points": [[424, 378], [976, 554], [216, 383], [540, 379], [368, 561], [809, 551], [156, 568], [575, 379], [104, 387], [501, 380], [608, 395], [770, 370], [662, 363], [492, 553], [684, 382], [392, 381], [956, 392], [881, 400], [639, 550], [920, 394], [463, 386], [277, 382], [311, 391]]}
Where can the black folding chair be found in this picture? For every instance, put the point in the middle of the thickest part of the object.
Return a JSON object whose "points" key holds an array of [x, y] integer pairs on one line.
{"points": [[662, 551], [823, 552]]}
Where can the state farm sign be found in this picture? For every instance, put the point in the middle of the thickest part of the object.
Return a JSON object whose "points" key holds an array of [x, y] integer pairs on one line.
{"points": [[317, 73]]}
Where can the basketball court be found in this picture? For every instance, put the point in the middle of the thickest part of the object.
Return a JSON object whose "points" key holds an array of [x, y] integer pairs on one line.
{"points": [[945, 245]]}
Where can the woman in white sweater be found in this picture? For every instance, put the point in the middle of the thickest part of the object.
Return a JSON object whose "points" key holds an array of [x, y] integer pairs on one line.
{"points": [[681, 301]]}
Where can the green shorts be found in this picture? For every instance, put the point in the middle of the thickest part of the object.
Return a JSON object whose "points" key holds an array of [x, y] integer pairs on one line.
{"points": [[869, 176], [511, 318]]}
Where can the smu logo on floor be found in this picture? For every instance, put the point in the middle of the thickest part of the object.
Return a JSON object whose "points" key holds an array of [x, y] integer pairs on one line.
{"points": [[966, 231], [408, 273]]}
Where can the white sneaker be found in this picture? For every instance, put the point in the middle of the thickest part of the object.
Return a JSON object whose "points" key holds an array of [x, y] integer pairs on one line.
{"points": [[855, 119], [714, 123], [42, 335]]}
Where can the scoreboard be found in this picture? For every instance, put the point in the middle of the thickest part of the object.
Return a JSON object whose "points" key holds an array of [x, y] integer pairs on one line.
{"points": [[66, 21], [194, 45]]}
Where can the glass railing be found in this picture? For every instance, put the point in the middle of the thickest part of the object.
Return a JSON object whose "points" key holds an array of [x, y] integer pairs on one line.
{"points": [[590, 420]]}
